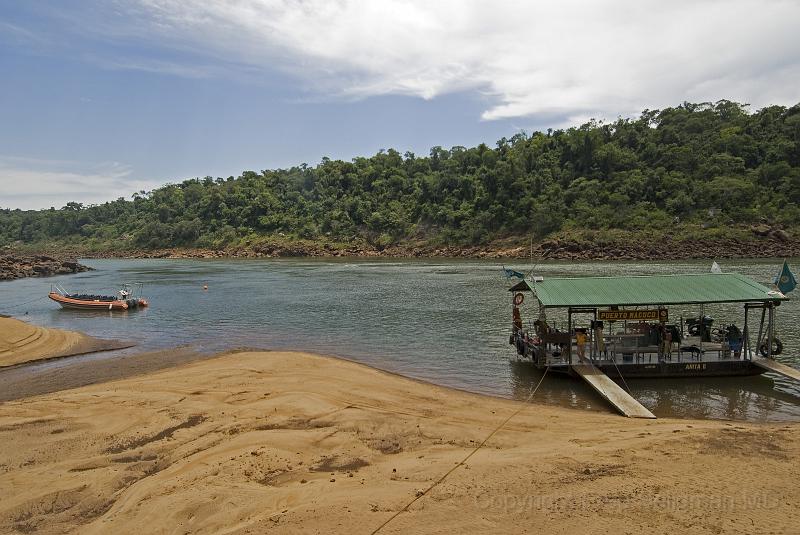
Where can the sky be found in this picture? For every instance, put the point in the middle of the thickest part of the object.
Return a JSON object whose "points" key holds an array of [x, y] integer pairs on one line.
{"points": [[100, 99]]}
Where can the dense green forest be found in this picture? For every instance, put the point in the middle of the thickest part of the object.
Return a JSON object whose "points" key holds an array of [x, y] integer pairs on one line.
{"points": [[704, 166]]}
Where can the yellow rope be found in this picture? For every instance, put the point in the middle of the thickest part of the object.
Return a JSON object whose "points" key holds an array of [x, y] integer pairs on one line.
{"points": [[465, 459]]}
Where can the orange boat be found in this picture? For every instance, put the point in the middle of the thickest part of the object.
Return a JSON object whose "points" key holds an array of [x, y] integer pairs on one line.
{"points": [[124, 301]]}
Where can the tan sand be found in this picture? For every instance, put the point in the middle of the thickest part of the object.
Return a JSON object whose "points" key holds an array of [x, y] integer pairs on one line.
{"points": [[22, 342], [277, 442]]}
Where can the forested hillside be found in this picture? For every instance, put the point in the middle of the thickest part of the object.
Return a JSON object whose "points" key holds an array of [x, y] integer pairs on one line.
{"points": [[689, 168]]}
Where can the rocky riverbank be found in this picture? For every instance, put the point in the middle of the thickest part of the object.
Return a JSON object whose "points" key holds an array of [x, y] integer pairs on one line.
{"points": [[18, 266], [759, 241], [555, 249]]}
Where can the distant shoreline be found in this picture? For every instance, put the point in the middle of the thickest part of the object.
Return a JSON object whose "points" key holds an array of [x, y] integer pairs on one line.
{"points": [[53, 258], [559, 248]]}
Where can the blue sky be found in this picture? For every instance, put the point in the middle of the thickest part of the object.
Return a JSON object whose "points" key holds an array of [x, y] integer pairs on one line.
{"points": [[101, 99]]}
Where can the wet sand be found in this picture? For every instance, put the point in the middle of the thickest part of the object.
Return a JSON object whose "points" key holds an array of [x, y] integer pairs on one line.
{"points": [[255, 442], [35, 379], [22, 342]]}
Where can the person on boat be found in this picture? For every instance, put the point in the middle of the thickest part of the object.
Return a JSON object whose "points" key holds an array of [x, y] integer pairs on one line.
{"points": [[517, 319], [124, 294], [734, 337], [542, 330], [598, 337], [580, 342], [666, 342]]}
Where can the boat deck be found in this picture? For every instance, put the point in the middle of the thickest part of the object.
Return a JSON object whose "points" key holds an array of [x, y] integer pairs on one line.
{"points": [[646, 361], [645, 358], [692, 352]]}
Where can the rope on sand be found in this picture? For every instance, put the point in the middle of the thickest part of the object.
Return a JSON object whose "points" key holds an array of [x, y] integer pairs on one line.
{"points": [[465, 459]]}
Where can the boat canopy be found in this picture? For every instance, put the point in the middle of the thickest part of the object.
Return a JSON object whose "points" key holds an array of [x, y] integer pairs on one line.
{"points": [[648, 290]]}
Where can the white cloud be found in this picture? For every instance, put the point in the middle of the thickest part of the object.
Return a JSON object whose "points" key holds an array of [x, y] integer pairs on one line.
{"points": [[15, 33], [563, 58], [156, 67], [32, 184]]}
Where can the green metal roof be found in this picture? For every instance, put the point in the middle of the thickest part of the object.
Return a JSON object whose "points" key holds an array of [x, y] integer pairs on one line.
{"points": [[649, 290]]}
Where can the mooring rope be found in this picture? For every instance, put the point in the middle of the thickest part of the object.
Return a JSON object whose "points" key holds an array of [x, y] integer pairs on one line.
{"points": [[619, 372], [26, 302], [465, 459]]}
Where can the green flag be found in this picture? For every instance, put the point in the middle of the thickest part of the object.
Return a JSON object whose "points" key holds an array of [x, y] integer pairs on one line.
{"points": [[511, 273], [785, 280]]}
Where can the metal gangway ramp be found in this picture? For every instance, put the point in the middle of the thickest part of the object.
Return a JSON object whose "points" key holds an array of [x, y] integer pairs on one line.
{"points": [[611, 391]]}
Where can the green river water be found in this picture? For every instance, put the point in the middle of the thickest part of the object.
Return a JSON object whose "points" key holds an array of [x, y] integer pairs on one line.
{"points": [[443, 321]]}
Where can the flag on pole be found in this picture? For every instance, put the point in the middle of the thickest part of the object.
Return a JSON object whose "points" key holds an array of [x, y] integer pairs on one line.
{"points": [[715, 268], [785, 280], [511, 273]]}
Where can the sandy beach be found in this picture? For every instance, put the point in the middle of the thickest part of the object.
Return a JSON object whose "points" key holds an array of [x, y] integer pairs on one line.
{"points": [[281, 442], [22, 342]]}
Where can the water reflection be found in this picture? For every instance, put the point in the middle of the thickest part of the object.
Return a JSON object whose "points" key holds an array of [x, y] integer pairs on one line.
{"points": [[555, 388], [751, 398], [734, 398]]}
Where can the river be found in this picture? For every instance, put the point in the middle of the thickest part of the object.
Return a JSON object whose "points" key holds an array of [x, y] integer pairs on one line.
{"points": [[443, 321]]}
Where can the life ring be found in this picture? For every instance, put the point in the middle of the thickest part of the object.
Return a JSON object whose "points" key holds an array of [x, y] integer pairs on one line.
{"points": [[519, 299], [777, 347]]}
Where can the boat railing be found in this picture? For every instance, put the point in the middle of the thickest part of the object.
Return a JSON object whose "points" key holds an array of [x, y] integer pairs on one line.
{"points": [[134, 289], [58, 289]]}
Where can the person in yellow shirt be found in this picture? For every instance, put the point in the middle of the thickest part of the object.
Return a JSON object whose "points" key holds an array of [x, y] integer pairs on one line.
{"points": [[580, 341]]}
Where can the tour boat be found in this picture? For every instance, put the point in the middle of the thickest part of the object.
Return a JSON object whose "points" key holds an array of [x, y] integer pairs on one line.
{"points": [[621, 328], [623, 320]]}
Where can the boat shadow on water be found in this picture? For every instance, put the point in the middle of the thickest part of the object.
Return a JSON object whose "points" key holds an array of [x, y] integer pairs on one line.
{"points": [[757, 398], [99, 313]]}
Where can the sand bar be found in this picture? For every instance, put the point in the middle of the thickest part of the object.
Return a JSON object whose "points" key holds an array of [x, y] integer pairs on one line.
{"points": [[295, 443], [22, 342]]}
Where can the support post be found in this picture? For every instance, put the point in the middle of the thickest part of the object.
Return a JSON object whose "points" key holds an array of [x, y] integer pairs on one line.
{"points": [[761, 325], [771, 330], [746, 334], [569, 334], [593, 341], [702, 328]]}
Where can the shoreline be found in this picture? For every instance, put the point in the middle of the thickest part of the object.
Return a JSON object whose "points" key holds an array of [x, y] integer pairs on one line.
{"points": [[300, 442], [755, 243], [94, 361]]}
